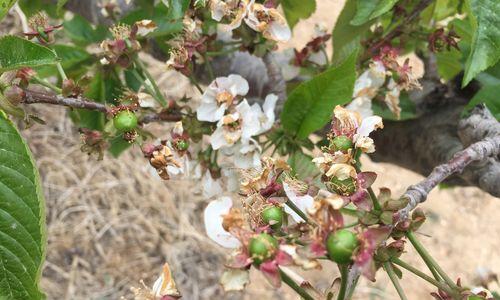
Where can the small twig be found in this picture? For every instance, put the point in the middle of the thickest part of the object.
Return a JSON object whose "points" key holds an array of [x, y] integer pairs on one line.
{"points": [[34, 97], [416, 194], [422, 275], [31, 97]]}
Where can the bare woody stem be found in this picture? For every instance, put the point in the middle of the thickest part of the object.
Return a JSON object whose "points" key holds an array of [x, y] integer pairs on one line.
{"points": [[416, 194], [34, 97]]}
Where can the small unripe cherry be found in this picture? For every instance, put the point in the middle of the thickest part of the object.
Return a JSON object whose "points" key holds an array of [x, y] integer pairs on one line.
{"points": [[340, 245], [474, 297], [125, 121], [182, 145], [273, 215], [345, 187], [262, 247], [341, 142]]}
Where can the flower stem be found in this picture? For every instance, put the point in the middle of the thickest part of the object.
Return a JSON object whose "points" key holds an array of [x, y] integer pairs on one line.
{"points": [[302, 292], [150, 81], [433, 266], [47, 84], [297, 210], [394, 278], [438, 284], [209, 67], [195, 83], [344, 273]]}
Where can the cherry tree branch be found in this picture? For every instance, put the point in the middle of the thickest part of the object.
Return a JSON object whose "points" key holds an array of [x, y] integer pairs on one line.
{"points": [[35, 97], [32, 97], [479, 151]]}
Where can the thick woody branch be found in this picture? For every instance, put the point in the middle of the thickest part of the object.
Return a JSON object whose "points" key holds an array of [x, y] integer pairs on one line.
{"points": [[479, 151]]}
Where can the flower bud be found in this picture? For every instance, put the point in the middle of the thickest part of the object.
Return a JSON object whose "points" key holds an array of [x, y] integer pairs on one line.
{"points": [[340, 246], [344, 187], [125, 121], [262, 247], [342, 143], [273, 215]]}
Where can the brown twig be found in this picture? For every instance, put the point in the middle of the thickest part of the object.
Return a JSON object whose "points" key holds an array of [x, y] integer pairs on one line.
{"points": [[34, 97], [482, 150], [31, 97]]}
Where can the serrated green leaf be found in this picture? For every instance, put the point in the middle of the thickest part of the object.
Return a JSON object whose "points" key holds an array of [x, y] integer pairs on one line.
{"points": [[449, 64], [489, 96], [19, 53], [22, 217], [309, 107], [81, 32], [485, 48], [31, 7], [346, 38], [297, 9], [5, 5], [369, 10]]}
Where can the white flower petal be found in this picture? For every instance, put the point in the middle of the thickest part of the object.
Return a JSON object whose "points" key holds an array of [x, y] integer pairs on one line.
{"points": [[210, 112], [362, 105], [368, 125], [213, 216], [210, 186], [234, 279], [304, 203]]}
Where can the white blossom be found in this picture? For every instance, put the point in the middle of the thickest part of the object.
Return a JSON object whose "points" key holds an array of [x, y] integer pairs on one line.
{"points": [[214, 217]]}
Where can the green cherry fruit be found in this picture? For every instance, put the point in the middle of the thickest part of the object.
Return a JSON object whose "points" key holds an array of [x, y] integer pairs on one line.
{"points": [[474, 297], [273, 215], [125, 121], [262, 247], [340, 246], [345, 187], [182, 145], [342, 143]]}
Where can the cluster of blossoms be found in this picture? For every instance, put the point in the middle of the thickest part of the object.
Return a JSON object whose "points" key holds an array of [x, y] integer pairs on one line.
{"points": [[283, 221], [237, 121], [371, 82], [259, 17]]}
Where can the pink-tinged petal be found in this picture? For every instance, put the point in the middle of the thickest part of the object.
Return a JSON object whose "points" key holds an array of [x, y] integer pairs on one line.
{"points": [[370, 240], [384, 195], [283, 259], [271, 272], [362, 200], [318, 249], [377, 235], [239, 261], [366, 179]]}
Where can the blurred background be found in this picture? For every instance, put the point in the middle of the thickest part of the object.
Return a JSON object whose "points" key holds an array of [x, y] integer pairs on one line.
{"points": [[112, 223]]}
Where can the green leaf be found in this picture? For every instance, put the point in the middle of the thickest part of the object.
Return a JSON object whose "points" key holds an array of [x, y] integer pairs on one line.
{"points": [[118, 145], [81, 32], [485, 48], [346, 38], [31, 7], [489, 96], [448, 63], [19, 53], [302, 165], [297, 9], [369, 10], [5, 5], [60, 5], [309, 107], [22, 217]]}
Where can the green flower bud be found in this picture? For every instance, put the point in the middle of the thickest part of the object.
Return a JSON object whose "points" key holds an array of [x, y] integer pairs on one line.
{"points": [[340, 245], [182, 145], [262, 247], [342, 143], [125, 121], [273, 215], [344, 187]]}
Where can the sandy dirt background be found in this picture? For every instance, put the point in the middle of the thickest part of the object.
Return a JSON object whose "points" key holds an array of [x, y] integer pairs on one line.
{"points": [[112, 223]]}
